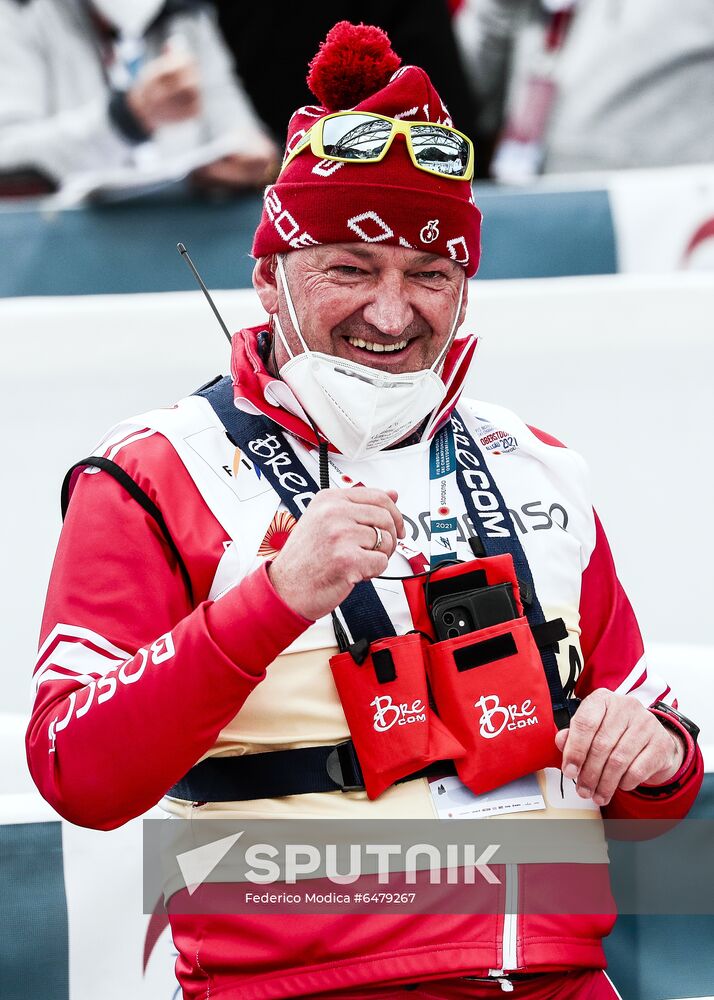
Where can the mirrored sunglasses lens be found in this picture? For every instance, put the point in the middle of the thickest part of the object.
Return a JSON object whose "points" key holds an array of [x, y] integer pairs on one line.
{"points": [[355, 137], [439, 149]]}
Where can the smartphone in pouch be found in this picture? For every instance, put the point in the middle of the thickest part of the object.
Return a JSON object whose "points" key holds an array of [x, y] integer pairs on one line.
{"points": [[471, 610]]}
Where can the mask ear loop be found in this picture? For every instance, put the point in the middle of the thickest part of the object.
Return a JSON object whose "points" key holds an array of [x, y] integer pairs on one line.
{"points": [[280, 270], [279, 330], [321, 440], [450, 339]]}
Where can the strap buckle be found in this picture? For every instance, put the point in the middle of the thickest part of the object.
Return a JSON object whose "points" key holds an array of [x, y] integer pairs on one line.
{"points": [[343, 767]]}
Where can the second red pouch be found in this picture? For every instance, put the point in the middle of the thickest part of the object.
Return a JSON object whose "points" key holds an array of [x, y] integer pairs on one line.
{"points": [[491, 691], [386, 703]]}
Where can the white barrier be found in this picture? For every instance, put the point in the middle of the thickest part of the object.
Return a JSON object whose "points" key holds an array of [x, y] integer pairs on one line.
{"points": [[617, 367]]}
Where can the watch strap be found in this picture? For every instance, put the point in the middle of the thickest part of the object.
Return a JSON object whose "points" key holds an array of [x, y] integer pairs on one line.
{"points": [[683, 727]]}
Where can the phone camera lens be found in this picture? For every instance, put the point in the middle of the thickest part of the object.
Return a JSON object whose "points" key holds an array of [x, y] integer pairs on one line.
{"points": [[448, 618], [452, 633]]}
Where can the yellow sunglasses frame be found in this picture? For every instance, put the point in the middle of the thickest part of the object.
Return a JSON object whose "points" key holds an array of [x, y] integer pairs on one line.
{"points": [[314, 139]]}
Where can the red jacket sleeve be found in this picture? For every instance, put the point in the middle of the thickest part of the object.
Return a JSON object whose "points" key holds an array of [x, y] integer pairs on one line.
{"points": [[134, 683], [614, 658]]}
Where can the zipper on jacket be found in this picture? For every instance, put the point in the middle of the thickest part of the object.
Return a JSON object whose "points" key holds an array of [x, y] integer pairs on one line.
{"points": [[509, 960]]}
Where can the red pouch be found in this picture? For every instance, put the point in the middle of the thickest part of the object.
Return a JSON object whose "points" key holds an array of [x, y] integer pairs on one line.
{"points": [[386, 703], [486, 572], [491, 691]]}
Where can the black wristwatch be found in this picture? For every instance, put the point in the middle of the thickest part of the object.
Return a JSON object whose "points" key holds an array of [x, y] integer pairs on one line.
{"points": [[667, 712], [684, 722]]}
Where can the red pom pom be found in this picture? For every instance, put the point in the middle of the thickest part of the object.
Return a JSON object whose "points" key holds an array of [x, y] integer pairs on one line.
{"points": [[354, 62]]}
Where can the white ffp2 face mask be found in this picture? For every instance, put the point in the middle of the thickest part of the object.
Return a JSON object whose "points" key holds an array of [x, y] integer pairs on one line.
{"points": [[130, 17], [361, 410]]}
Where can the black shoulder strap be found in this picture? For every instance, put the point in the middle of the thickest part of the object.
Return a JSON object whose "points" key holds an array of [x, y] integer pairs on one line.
{"points": [[135, 491]]}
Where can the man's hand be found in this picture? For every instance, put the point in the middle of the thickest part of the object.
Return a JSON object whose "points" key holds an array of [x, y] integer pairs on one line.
{"points": [[167, 90], [330, 549], [615, 742], [254, 169]]}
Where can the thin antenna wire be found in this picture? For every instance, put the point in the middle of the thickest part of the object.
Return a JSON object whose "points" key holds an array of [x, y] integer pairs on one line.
{"points": [[184, 253]]}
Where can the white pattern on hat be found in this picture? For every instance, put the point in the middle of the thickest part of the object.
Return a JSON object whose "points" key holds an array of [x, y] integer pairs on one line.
{"points": [[326, 168], [384, 235], [451, 246], [406, 114]]}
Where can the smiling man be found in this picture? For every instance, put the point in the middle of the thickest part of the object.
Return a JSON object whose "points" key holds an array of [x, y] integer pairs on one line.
{"points": [[235, 541]]}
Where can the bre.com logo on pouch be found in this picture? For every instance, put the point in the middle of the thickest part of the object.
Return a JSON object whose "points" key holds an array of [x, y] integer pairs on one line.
{"points": [[495, 717], [388, 714]]}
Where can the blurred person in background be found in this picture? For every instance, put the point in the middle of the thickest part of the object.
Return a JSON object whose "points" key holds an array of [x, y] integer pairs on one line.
{"points": [[573, 85], [110, 83]]}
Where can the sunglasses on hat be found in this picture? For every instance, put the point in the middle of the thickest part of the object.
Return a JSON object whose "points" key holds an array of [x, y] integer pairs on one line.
{"points": [[363, 137]]}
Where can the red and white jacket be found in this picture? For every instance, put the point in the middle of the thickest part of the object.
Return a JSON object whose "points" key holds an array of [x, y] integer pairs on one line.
{"points": [[136, 682]]}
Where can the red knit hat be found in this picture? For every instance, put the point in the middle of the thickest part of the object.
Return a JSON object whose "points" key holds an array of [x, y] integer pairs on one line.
{"points": [[324, 201]]}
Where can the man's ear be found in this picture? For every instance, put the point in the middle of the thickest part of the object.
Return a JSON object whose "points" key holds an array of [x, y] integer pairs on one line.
{"points": [[265, 283]]}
